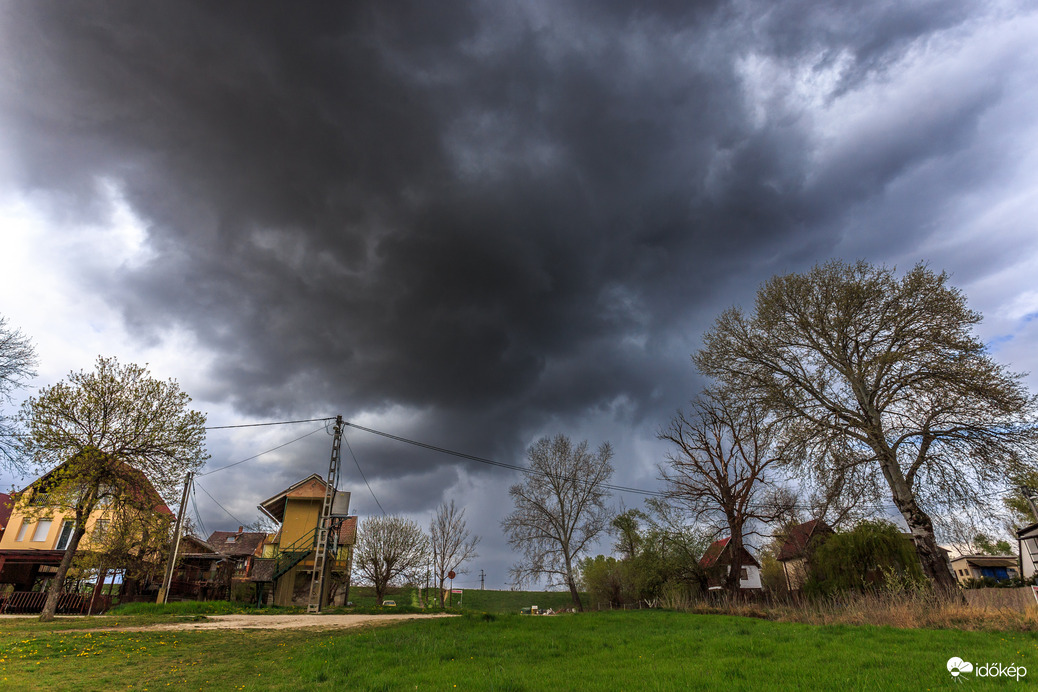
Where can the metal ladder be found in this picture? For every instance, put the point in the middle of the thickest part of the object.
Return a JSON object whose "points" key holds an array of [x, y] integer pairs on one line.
{"points": [[324, 524]]}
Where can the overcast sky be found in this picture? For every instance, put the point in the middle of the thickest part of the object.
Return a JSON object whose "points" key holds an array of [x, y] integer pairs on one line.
{"points": [[475, 224]]}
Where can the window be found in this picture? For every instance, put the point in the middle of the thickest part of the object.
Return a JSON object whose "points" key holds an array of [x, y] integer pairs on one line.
{"points": [[66, 535], [100, 529], [22, 530], [230, 539], [42, 529], [744, 574]]}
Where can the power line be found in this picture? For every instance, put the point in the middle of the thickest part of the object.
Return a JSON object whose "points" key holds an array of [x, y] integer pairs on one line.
{"points": [[258, 425], [500, 464], [240, 522], [362, 475], [524, 469], [274, 449], [198, 515]]}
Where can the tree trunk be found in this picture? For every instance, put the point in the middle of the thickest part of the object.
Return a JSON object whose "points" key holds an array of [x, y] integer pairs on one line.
{"points": [[50, 606], [572, 583], [731, 581], [441, 594], [932, 559], [98, 586]]}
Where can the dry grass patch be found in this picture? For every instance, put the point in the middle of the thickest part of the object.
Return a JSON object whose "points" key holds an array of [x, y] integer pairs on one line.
{"points": [[914, 610]]}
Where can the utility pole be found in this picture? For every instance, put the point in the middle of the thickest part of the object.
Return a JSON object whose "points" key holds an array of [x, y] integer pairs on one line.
{"points": [[324, 524], [482, 576], [168, 577]]}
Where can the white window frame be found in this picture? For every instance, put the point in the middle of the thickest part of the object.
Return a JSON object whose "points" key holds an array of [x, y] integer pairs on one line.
{"points": [[22, 530], [42, 526]]}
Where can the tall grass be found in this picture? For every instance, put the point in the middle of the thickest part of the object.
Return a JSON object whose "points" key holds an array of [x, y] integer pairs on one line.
{"points": [[908, 609]]}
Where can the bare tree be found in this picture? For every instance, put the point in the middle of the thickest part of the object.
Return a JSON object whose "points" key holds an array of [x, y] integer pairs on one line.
{"points": [[721, 471], [108, 437], [889, 373], [389, 548], [559, 510], [17, 364], [452, 543]]}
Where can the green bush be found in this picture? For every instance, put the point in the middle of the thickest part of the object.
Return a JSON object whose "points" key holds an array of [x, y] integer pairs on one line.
{"points": [[874, 556]]}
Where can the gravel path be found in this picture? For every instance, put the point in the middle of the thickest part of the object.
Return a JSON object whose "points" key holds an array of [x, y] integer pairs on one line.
{"points": [[268, 622]]}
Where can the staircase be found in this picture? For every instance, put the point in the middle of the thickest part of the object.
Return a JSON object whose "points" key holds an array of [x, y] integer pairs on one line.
{"points": [[291, 555]]}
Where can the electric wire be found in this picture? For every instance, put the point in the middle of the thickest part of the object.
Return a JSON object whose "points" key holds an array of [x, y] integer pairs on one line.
{"points": [[884, 506], [198, 515], [362, 474], [500, 464], [259, 425], [202, 488], [254, 456], [443, 450]]}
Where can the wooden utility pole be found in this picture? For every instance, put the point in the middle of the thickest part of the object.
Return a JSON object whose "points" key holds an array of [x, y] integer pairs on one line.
{"points": [[171, 562]]}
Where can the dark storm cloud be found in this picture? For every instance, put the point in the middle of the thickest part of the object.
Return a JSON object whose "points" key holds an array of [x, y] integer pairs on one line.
{"points": [[500, 216]]}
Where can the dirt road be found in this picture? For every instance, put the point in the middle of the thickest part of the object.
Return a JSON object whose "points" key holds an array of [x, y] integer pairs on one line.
{"points": [[269, 622]]}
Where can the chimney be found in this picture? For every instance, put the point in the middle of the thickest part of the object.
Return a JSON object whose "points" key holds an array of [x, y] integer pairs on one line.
{"points": [[240, 529]]}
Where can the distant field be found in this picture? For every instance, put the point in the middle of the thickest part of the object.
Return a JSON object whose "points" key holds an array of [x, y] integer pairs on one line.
{"points": [[476, 600], [636, 650]]}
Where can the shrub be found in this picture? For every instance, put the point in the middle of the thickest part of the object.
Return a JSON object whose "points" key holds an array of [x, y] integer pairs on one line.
{"points": [[873, 556]]}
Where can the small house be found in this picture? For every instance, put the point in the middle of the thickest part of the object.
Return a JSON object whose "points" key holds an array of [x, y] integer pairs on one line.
{"points": [[997, 567], [793, 554], [718, 560]]}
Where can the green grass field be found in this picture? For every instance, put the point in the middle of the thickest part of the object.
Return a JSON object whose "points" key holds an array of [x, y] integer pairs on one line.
{"points": [[636, 650], [474, 599]]}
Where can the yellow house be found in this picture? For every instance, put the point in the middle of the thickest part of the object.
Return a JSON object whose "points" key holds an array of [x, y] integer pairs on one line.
{"points": [[35, 538], [291, 550]]}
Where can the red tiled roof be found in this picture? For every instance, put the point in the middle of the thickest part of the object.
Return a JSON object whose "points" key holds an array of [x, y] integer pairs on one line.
{"points": [[718, 551], [244, 543], [798, 538], [714, 552], [348, 531]]}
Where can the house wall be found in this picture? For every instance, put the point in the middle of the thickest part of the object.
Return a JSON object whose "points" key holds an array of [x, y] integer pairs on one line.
{"points": [[752, 580], [301, 515], [795, 572], [18, 519], [1028, 555]]}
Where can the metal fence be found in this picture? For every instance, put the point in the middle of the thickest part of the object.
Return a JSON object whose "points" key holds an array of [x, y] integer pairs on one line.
{"points": [[28, 602]]}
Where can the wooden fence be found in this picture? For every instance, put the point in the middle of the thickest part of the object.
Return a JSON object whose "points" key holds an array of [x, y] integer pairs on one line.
{"points": [[1020, 598], [27, 602]]}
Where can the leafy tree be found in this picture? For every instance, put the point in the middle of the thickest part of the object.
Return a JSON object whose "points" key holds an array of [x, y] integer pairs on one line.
{"points": [[105, 438], [559, 510], [626, 527], [879, 376], [390, 548], [721, 470], [134, 541], [865, 558], [452, 543], [17, 364], [1020, 500], [608, 580], [985, 545]]}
